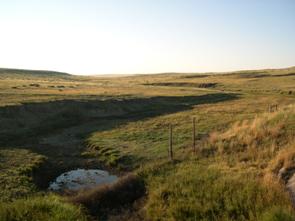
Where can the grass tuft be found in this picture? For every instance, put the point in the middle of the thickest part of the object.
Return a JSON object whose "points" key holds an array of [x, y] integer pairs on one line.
{"points": [[49, 208], [17, 170]]}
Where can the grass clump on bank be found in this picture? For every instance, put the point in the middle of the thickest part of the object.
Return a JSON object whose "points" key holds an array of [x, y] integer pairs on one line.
{"points": [[49, 208], [17, 169], [283, 164], [108, 155], [255, 140], [189, 191], [284, 159]]}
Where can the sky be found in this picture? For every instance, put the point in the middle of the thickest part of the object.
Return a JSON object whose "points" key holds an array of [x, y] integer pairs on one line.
{"points": [[146, 36]]}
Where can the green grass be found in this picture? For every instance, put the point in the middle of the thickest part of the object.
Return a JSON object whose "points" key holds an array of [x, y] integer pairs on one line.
{"points": [[17, 168], [47, 208], [192, 191], [122, 124]]}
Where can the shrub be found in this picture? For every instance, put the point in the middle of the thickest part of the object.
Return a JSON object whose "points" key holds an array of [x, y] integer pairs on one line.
{"points": [[98, 200]]}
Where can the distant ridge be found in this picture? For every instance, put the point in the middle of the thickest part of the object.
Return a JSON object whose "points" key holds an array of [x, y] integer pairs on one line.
{"points": [[288, 69], [250, 71], [9, 72], [292, 68]]}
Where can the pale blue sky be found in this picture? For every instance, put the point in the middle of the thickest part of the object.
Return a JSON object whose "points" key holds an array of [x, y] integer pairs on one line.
{"points": [[147, 36]]}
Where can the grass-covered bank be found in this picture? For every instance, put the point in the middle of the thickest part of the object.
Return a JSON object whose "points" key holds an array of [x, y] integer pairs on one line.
{"points": [[193, 191], [121, 124], [20, 199], [234, 174], [17, 172]]}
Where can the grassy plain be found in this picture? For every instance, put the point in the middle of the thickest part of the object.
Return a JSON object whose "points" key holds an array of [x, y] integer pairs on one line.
{"points": [[51, 122]]}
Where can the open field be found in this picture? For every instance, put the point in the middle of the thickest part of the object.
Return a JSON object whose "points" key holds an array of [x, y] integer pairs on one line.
{"points": [[53, 122]]}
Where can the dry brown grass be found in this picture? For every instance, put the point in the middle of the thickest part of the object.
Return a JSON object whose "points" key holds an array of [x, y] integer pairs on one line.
{"points": [[284, 159], [104, 198], [245, 135]]}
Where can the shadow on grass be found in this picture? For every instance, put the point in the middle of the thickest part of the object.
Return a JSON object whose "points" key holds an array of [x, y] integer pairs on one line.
{"points": [[21, 123], [27, 125]]}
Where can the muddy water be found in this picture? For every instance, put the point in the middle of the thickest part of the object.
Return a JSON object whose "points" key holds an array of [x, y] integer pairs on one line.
{"points": [[81, 179]]}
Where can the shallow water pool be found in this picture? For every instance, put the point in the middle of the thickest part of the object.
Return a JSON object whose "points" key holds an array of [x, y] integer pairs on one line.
{"points": [[81, 179]]}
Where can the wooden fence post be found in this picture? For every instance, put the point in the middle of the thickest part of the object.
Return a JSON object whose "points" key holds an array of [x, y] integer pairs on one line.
{"points": [[170, 143], [194, 135]]}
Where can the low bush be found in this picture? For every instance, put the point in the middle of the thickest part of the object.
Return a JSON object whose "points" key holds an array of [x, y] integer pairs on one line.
{"points": [[103, 198]]}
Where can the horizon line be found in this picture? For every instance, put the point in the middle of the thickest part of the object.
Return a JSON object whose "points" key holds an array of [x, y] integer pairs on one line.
{"points": [[148, 73]]}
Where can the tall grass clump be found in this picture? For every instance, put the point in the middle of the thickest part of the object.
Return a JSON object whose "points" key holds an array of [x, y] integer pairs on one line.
{"points": [[283, 165], [264, 135], [49, 208]]}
